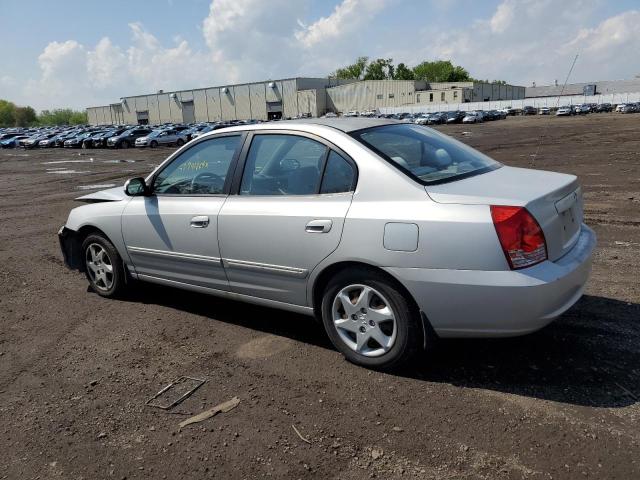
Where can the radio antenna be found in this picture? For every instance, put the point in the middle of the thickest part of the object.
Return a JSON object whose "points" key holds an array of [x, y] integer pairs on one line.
{"points": [[544, 132]]}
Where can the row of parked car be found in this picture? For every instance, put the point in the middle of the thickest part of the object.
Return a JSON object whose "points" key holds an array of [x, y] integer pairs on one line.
{"points": [[109, 136], [437, 118], [477, 116]]}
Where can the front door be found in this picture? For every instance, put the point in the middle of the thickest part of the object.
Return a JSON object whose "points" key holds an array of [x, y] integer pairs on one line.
{"points": [[173, 233], [287, 216]]}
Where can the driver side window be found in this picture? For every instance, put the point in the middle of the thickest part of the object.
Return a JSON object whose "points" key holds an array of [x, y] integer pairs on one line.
{"points": [[202, 169]]}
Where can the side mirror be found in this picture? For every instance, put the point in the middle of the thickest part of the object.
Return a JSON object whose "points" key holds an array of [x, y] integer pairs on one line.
{"points": [[136, 187]]}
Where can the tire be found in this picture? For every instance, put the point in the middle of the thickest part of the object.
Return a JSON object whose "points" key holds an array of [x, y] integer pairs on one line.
{"points": [[125, 144], [180, 142], [402, 335], [153, 144], [103, 266]]}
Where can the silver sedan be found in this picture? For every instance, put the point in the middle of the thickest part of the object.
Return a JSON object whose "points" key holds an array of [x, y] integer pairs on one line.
{"points": [[162, 137], [391, 234]]}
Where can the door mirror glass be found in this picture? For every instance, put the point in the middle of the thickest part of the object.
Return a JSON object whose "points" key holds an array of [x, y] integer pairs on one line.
{"points": [[135, 187]]}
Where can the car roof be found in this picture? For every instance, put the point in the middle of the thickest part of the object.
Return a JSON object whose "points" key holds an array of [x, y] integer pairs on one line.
{"points": [[344, 124]]}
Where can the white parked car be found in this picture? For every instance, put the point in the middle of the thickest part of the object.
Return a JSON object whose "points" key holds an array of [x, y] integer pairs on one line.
{"points": [[472, 117], [391, 234], [564, 111], [544, 111]]}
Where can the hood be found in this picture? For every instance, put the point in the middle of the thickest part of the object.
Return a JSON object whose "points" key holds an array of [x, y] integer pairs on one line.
{"points": [[110, 195]]}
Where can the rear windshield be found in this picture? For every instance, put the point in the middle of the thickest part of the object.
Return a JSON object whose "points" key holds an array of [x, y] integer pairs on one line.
{"points": [[424, 154]]}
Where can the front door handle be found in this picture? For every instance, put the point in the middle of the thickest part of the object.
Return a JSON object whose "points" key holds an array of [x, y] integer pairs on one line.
{"points": [[201, 221], [319, 226]]}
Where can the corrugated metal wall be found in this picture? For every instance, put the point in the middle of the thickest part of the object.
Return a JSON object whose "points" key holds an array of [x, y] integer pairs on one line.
{"points": [[533, 102], [289, 98], [258, 101], [247, 101], [213, 104], [242, 100], [200, 105], [371, 94]]}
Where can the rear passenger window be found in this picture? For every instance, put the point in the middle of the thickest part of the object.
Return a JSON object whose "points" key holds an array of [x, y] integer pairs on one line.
{"points": [[338, 175], [283, 165]]}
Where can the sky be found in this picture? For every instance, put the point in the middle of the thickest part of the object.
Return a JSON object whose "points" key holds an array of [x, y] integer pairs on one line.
{"points": [[80, 53]]}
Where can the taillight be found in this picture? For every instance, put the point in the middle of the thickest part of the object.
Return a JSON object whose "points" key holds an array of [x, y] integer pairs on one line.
{"points": [[520, 236]]}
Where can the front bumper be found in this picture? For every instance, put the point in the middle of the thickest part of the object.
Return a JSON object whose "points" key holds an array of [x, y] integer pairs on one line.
{"points": [[474, 303], [70, 248]]}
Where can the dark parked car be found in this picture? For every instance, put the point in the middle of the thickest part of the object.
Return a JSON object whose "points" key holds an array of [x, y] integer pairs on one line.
{"points": [[604, 107], [76, 142], [128, 138], [437, 118], [101, 140], [455, 116], [529, 110]]}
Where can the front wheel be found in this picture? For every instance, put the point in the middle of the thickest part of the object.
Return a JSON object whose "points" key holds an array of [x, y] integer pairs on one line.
{"points": [[153, 144], [180, 142], [369, 319], [125, 144], [103, 266]]}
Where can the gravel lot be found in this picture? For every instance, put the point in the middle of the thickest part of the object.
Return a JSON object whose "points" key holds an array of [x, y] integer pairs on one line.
{"points": [[76, 369]]}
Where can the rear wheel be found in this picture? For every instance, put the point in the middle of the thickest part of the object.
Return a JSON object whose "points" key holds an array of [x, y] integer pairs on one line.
{"points": [[103, 266], [369, 320]]}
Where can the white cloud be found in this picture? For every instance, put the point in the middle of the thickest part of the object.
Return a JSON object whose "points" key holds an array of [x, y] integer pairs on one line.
{"points": [[503, 17], [536, 40], [106, 64], [347, 17], [245, 40]]}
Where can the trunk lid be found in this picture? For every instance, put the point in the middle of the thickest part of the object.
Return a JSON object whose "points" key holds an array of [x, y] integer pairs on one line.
{"points": [[554, 199]]}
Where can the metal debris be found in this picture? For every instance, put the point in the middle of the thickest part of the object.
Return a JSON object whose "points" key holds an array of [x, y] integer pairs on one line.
{"points": [[176, 384]]}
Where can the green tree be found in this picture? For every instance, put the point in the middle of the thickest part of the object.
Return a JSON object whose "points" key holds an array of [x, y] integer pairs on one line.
{"points": [[62, 116], [440, 71], [354, 71], [379, 69], [7, 114], [403, 73], [25, 116]]}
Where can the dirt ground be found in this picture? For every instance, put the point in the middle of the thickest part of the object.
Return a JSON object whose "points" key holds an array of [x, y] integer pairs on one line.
{"points": [[77, 369]]}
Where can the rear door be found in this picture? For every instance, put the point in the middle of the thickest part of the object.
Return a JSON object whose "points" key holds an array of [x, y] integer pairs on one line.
{"points": [[172, 235], [293, 194]]}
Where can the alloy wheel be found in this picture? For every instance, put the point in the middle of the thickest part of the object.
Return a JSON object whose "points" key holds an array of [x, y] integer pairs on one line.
{"points": [[99, 266], [364, 320]]}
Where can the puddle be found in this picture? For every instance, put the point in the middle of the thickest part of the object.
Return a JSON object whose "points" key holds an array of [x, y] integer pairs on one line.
{"points": [[65, 172], [96, 187], [118, 161], [88, 160]]}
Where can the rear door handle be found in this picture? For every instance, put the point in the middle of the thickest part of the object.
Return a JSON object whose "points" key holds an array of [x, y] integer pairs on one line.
{"points": [[319, 226], [201, 221]]}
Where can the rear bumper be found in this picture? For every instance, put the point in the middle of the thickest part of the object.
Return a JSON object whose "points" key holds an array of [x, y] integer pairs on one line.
{"points": [[472, 303], [70, 248]]}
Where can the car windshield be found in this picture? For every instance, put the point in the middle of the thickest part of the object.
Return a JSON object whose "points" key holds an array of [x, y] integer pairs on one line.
{"points": [[424, 154]]}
